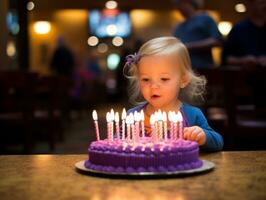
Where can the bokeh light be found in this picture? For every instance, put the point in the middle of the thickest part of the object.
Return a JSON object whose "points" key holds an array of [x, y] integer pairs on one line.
{"points": [[111, 4], [225, 27], [102, 48], [93, 41], [117, 41], [113, 61], [30, 6]]}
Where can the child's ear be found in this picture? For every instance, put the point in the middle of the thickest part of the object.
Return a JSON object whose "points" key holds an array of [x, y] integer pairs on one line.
{"points": [[185, 80]]}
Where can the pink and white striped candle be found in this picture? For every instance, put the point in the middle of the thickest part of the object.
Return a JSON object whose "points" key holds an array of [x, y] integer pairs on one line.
{"points": [[160, 125], [117, 126], [137, 124], [153, 131], [108, 126], [133, 131], [170, 118], [175, 120], [123, 117], [95, 118], [165, 125], [180, 125], [142, 123], [128, 128]]}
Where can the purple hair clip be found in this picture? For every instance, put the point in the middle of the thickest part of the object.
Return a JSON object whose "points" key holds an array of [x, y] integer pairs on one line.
{"points": [[132, 59]]}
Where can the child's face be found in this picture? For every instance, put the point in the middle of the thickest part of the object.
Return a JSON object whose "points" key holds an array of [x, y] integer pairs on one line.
{"points": [[160, 81]]}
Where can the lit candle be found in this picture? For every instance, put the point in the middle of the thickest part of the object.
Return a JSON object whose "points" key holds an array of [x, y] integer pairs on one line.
{"points": [[117, 125], [170, 118], [180, 123], [152, 121], [142, 123], [108, 125], [128, 128], [133, 131], [112, 118], [156, 125], [123, 117], [165, 125], [175, 119], [137, 119], [95, 118], [160, 123]]}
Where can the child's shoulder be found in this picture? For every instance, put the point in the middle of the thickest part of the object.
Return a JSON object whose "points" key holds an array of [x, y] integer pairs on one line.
{"points": [[187, 108], [193, 114]]}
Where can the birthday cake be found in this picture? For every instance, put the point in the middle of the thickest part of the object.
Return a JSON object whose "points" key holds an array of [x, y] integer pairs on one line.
{"points": [[144, 157], [137, 154]]}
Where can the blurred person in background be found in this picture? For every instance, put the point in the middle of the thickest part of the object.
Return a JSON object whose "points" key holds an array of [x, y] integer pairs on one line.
{"points": [[246, 47], [62, 62], [198, 32], [246, 42]]}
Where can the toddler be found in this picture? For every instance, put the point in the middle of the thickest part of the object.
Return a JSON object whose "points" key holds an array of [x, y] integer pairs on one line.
{"points": [[161, 77]]}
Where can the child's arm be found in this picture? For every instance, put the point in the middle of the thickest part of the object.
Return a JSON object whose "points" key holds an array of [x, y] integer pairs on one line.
{"points": [[202, 133]]}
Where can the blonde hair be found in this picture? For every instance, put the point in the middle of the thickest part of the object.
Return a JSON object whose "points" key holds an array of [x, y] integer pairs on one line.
{"points": [[192, 92]]}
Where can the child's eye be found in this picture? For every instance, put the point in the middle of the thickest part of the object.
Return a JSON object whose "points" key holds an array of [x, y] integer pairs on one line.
{"points": [[165, 79], [145, 79]]}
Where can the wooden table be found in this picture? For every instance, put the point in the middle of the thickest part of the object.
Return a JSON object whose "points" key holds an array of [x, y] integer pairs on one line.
{"points": [[238, 175]]}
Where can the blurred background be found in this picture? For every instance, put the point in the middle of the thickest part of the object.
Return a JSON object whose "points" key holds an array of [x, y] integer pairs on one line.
{"points": [[60, 60]]}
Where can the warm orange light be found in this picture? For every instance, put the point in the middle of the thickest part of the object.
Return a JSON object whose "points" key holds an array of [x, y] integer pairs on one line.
{"points": [[42, 27]]}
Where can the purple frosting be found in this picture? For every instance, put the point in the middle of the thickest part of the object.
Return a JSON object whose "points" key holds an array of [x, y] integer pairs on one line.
{"points": [[144, 156]]}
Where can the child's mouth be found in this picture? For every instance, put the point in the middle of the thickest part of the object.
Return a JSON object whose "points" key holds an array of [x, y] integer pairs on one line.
{"points": [[155, 96]]}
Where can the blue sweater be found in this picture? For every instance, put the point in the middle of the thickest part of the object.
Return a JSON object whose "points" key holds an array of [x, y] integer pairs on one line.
{"points": [[193, 116]]}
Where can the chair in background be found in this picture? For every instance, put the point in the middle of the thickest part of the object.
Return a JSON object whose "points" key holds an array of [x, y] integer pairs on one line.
{"points": [[246, 117], [51, 108], [15, 109], [232, 107]]}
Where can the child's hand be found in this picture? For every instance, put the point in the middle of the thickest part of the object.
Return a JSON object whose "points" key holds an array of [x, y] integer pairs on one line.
{"points": [[195, 133]]}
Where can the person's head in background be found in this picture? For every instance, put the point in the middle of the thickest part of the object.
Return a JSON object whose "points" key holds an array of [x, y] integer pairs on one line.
{"points": [[60, 41], [256, 8], [160, 73], [188, 7]]}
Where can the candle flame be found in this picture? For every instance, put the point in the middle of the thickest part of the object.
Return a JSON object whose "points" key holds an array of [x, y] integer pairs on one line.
{"points": [[127, 119], [179, 116], [108, 117], [152, 120], [124, 114], [170, 116], [112, 115], [155, 117], [175, 118], [160, 115], [137, 116], [116, 117], [131, 118], [94, 115], [142, 115], [164, 118], [159, 112]]}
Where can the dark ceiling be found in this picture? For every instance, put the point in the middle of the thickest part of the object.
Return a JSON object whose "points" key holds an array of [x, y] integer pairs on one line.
{"points": [[225, 7], [127, 4]]}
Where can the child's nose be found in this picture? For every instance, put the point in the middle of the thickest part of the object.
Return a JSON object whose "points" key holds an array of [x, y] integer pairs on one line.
{"points": [[154, 84]]}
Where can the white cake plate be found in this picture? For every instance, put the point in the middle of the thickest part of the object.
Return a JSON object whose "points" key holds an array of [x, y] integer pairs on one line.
{"points": [[206, 167]]}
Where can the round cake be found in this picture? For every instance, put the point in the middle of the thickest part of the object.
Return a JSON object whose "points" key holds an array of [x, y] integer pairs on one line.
{"points": [[143, 156]]}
